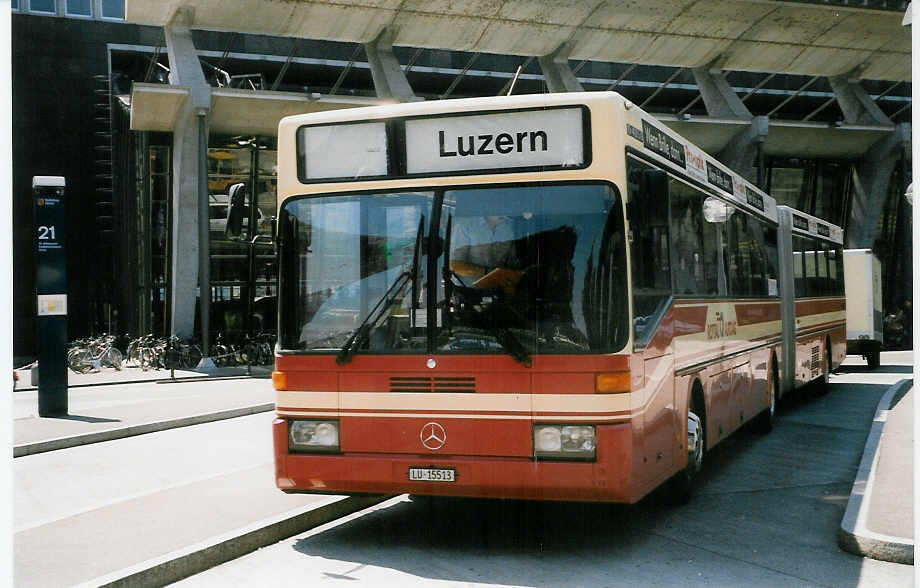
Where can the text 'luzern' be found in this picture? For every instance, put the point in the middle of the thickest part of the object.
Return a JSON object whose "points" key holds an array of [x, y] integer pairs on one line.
{"points": [[503, 143]]}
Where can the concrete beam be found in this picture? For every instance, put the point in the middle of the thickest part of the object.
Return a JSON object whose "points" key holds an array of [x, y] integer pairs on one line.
{"points": [[856, 104], [720, 100], [871, 180], [559, 76], [389, 79], [155, 107]]}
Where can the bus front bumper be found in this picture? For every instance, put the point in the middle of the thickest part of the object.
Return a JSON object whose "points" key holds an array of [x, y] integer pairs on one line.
{"points": [[609, 479]]}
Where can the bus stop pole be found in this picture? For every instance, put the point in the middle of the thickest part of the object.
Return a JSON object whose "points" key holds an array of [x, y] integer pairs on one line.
{"points": [[51, 293]]}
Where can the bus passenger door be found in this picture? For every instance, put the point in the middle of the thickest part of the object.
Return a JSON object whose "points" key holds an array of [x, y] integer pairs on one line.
{"points": [[660, 416], [653, 315]]}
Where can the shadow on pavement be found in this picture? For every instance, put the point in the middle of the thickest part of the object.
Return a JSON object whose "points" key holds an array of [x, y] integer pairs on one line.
{"points": [[84, 419], [885, 369]]}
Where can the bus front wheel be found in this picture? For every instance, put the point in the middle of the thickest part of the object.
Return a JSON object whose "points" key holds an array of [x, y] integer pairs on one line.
{"points": [[682, 484]]}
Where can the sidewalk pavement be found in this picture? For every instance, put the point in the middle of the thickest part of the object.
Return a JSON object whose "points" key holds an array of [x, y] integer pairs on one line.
{"points": [[112, 404], [130, 513], [879, 518]]}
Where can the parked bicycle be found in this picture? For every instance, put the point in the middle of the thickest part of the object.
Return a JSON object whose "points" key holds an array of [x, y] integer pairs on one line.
{"points": [[93, 354]]}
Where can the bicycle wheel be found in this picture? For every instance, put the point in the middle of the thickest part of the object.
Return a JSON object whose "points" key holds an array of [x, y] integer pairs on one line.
{"points": [[80, 361], [113, 358]]}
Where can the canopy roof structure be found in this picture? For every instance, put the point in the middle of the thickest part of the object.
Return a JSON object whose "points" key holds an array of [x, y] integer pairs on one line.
{"points": [[812, 39]]}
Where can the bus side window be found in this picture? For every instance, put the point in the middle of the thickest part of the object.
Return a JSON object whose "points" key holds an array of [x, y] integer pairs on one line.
{"points": [[771, 260], [739, 256], [840, 291], [687, 235], [758, 263], [831, 254], [810, 256], [798, 262]]}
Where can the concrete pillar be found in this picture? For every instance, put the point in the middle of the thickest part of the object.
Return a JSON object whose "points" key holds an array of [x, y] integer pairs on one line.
{"points": [[559, 76], [185, 70], [720, 100], [389, 79], [873, 171], [871, 180], [746, 147], [857, 106]]}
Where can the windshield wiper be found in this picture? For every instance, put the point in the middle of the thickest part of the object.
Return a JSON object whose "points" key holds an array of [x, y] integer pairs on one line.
{"points": [[370, 321], [373, 317], [511, 344]]}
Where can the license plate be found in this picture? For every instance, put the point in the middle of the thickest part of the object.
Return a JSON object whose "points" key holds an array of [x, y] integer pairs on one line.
{"points": [[432, 475]]}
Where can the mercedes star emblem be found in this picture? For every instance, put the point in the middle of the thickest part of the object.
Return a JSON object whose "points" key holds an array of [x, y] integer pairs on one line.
{"points": [[433, 436]]}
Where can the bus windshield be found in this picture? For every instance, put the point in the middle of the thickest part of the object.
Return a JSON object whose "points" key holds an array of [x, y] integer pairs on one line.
{"points": [[517, 269]]}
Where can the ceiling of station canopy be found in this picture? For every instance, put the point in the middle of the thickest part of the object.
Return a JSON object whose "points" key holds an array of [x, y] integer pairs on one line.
{"points": [[864, 39]]}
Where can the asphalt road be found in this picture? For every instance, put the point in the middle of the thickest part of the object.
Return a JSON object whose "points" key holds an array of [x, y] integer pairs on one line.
{"points": [[766, 514]]}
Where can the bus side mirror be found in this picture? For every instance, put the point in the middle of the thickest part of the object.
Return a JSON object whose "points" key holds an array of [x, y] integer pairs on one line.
{"points": [[236, 210]]}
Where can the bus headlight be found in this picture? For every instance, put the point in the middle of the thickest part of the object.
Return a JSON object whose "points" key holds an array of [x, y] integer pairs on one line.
{"points": [[564, 441], [313, 436]]}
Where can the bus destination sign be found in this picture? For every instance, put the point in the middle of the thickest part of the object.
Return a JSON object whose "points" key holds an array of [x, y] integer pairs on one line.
{"points": [[500, 141], [357, 150]]}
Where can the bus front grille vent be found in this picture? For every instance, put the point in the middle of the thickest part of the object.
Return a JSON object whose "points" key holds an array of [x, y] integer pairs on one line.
{"points": [[436, 384]]}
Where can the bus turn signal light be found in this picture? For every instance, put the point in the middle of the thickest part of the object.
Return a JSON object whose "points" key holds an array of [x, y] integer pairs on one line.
{"points": [[279, 379], [612, 383]]}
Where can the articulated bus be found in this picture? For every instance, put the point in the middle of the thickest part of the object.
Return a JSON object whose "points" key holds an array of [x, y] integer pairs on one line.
{"points": [[549, 297]]}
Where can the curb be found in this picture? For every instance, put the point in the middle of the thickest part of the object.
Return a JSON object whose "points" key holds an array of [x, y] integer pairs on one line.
{"points": [[112, 434], [853, 535], [183, 563], [164, 380]]}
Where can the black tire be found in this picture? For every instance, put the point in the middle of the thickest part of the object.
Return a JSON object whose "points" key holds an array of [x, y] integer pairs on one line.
{"points": [[767, 419], [681, 486], [873, 358], [823, 384]]}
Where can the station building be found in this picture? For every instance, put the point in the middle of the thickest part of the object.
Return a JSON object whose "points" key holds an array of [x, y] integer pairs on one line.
{"points": [[125, 111]]}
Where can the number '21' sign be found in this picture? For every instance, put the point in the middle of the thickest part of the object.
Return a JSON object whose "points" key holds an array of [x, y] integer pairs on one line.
{"points": [[50, 240]]}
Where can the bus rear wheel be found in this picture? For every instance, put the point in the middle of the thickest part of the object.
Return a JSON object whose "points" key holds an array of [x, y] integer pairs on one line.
{"points": [[824, 383], [767, 418]]}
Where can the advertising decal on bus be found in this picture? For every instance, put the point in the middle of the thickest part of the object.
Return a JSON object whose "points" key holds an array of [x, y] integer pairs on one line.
{"points": [[663, 144], [719, 178]]}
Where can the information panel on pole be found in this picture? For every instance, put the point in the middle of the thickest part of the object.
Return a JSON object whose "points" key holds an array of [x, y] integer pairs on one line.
{"points": [[51, 292]]}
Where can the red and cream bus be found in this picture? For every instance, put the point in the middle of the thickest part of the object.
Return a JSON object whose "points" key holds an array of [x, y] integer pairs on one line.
{"points": [[534, 297]]}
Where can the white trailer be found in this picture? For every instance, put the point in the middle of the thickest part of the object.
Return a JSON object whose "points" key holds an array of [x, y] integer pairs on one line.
{"points": [[863, 282]]}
